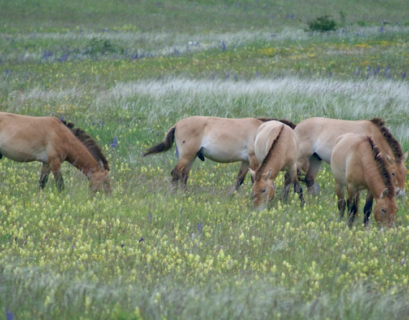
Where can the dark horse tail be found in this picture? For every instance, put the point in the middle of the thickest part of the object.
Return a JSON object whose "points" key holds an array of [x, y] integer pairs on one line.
{"points": [[164, 145], [89, 143]]}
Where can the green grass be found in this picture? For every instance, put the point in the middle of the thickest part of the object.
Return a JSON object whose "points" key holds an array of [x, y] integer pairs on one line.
{"points": [[131, 69]]}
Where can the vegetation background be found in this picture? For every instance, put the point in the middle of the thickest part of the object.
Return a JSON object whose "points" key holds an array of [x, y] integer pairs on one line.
{"points": [[125, 71]]}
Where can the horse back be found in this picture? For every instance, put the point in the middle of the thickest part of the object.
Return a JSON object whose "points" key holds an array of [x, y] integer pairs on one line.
{"points": [[26, 138], [319, 135], [219, 139], [286, 147]]}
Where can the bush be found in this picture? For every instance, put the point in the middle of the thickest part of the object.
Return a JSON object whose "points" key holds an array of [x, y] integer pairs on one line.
{"points": [[101, 47], [322, 24]]}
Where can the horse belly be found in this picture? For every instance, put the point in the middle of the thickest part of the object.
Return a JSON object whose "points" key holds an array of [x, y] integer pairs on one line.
{"points": [[224, 155], [22, 155], [324, 150]]}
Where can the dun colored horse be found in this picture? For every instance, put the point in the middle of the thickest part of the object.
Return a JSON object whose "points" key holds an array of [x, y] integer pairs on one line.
{"points": [[218, 139], [52, 141], [357, 164], [317, 138], [276, 147]]}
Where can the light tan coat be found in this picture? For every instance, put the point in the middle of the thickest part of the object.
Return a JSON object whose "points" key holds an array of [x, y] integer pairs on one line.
{"points": [[51, 141], [357, 164], [317, 137], [276, 148], [218, 139]]}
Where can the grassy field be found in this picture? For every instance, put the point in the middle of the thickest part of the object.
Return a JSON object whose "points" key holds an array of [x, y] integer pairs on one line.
{"points": [[131, 69]]}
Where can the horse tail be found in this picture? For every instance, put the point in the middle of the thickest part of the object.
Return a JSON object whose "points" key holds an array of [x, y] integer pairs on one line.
{"points": [[165, 145]]}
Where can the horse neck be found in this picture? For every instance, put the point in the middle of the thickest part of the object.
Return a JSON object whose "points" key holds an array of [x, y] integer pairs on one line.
{"points": [[81, 158], [382, 143], [275, 162], [372, 176]]}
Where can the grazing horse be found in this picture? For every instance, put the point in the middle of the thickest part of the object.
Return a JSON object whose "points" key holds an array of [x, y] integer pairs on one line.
{"points": [[218, 139], [276, 148], [317, 138], [52, 141], [357, 164]]}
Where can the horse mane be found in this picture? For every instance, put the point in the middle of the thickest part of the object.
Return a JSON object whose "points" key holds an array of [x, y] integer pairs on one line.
{"points": [[89, 143], [289, 123], [393, 143], [382, 168], [267, 157]]}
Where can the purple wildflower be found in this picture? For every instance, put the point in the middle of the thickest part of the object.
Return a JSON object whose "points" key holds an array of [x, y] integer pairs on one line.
{"points": [[114, 143], [9, 315], [47, 54], [63, 58]]}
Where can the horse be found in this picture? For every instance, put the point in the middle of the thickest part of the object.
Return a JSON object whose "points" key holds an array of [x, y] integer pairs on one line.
{"points": [[219, 139], [52, 141], [357, 163], [317, 138], [276, 147]]}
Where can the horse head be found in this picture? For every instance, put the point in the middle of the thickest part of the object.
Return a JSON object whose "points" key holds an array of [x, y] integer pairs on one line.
{"points": [[385, 209], [398, 173], [263, 189], [99, 180]]}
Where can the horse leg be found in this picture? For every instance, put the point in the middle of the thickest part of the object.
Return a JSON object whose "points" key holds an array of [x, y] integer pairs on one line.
{"points": [[244, 168], [353, 200], [287, 184], [368, 207], [339, 190], [181, 172], [313, 168], [45, 171], [297, 187], [55, 166]]}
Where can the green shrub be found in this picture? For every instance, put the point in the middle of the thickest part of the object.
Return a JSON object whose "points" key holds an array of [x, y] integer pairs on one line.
{"points": [[322, 24], [101, 47]]}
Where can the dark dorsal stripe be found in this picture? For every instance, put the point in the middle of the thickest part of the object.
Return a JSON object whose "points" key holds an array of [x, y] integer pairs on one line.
{"points": [[392, 142], [267, 157], [289, 123], [89, 143], [382, 168]]}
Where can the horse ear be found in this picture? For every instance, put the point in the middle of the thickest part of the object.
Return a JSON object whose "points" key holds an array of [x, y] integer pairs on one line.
{"points": [[252, 173], [405, 156], [384, 193], [101, 165], [267, 175], [388, 158]]}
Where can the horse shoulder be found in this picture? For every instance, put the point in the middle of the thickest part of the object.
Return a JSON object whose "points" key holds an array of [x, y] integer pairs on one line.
{"points": [[61, 137]]}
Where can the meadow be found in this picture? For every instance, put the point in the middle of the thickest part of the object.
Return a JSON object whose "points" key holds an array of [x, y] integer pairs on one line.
{"points": [[125, 72]]}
